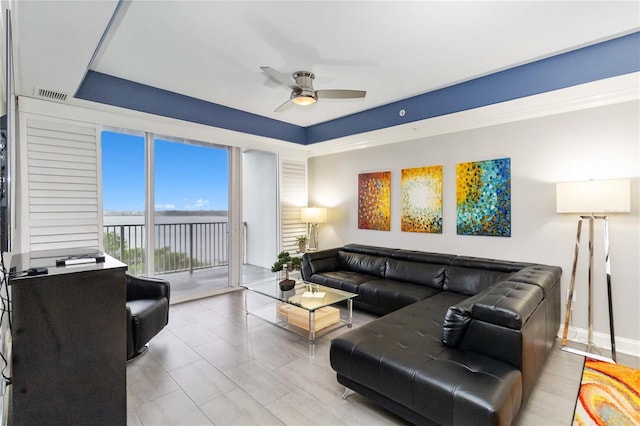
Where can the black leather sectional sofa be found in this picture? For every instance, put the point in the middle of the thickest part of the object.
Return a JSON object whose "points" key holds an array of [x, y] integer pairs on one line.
{"points": [[461, 341]]}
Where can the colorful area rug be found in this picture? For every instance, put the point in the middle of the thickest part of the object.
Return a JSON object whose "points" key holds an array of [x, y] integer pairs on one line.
{"points": [[609, 395]]}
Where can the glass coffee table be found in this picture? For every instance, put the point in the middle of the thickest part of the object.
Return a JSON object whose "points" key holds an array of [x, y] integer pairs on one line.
{"points": [[305, 310]]}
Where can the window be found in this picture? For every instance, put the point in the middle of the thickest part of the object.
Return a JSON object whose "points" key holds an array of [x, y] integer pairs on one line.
{"points": [[123, 198]]}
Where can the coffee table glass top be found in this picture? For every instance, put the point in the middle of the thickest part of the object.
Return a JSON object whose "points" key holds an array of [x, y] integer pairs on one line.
{"points": [[306, 295]]}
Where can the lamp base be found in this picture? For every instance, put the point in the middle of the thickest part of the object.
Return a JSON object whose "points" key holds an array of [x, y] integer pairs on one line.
{"points": [[313, 237], [567, 320], [588, 353]]}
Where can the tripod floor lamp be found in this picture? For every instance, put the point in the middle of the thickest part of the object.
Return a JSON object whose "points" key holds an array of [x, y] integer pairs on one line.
{"points": [[313, 216], [588, 198]]}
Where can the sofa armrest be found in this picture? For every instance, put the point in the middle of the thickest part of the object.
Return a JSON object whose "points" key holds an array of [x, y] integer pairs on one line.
{"points": [[507, 304], [496, 317], [512, 302], [498, 322], [319, 261]]}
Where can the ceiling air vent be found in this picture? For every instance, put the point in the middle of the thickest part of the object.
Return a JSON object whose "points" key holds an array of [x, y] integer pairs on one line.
{"points": [[51, 94]]}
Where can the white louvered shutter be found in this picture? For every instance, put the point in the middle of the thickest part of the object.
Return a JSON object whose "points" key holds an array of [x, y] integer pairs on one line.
{"points": [[293, 196], [62, 184]]}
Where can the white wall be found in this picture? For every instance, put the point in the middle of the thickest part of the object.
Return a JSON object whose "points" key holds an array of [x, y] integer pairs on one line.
{"points": [[596, 143], [260, 206]]}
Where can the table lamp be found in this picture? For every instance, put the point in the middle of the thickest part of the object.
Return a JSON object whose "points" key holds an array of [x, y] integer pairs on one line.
{"points": [[313, 216], [588, 198]]}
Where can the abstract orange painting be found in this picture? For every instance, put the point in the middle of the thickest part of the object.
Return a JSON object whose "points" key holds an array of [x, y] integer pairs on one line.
{"points": [[374, 201], [421, 200]]}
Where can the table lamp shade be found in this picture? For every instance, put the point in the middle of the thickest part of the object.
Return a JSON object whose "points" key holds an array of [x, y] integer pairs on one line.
{"points": [[594, 196], [313, 215]]}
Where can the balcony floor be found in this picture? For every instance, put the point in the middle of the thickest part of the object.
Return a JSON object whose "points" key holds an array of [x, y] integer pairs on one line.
{"points": [[201, 282]]}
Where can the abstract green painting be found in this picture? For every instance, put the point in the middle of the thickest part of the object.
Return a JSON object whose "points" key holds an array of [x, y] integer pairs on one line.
{"points": [[483, 198]]}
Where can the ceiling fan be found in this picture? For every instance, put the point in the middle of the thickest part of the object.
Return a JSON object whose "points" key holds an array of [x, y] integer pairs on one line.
{"points": [[302, 92]]}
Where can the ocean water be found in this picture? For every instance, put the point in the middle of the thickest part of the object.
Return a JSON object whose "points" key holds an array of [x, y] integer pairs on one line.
{"points": [[161, 219]]}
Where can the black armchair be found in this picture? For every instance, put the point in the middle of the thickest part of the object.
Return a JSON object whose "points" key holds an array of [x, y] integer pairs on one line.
{"points": [[147, 311]]}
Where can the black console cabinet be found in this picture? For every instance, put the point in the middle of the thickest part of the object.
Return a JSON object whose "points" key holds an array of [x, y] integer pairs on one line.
{"points": [[68, 361]]}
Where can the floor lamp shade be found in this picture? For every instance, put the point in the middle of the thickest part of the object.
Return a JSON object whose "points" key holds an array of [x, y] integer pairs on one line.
{"points": [[594, 196]]}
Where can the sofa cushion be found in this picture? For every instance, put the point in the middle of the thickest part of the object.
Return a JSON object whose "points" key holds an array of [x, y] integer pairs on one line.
{"points": [[490, 264], [425, 274], [390, 295], [471, 281], [372, 250], [423, 256], [322, 265], [315, 262], [342, 280], [363, 263]]}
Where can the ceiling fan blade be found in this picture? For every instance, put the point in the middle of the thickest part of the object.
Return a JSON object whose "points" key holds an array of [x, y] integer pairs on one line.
{"points": [[280, 78], [341, 94], [285, 106]]}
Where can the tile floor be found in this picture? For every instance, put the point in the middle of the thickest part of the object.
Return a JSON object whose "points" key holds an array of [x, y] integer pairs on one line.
{"points": [[187, 285], [215, 365]]}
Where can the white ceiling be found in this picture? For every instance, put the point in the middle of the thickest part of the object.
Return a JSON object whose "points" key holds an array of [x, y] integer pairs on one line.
{"points": [[213, 50]]}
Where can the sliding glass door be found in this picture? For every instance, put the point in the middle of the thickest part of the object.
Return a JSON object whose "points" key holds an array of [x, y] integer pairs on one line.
{"points": [[166, 211], [191, 215]]}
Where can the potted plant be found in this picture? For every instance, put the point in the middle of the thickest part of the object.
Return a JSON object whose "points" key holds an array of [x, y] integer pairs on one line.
{"points": [[301, 240], [286, 263]]}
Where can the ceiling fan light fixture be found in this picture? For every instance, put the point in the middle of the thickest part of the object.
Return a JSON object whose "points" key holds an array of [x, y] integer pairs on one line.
{"points": [[303, 100], [302, 91]]}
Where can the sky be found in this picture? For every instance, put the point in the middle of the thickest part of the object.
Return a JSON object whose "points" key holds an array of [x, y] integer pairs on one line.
{"points": [[187, 177]]}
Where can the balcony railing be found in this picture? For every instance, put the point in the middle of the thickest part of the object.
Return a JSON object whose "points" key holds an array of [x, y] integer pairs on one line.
{"points": [[178, 246]]}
